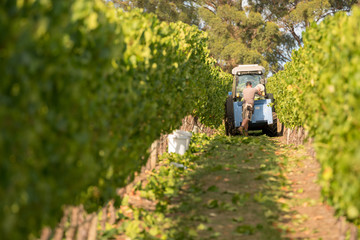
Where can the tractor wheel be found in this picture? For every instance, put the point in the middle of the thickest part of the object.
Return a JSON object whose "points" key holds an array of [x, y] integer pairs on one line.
{"points": [[271, 130], [229, 117]]}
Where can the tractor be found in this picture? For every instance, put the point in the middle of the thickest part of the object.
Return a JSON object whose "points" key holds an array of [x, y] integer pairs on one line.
{"points": [[264, 117]]}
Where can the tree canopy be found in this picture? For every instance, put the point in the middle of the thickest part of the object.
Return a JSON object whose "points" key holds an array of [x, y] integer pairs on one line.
{"points": [[240, 37], [167, 10], [244, 32], [297, 14]]}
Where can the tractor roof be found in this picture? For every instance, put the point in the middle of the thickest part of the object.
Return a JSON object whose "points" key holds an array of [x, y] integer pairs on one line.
{"points": [[248, 68]]}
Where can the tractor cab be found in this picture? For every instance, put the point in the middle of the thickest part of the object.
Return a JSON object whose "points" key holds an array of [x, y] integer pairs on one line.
{"points": [[246, 73]]}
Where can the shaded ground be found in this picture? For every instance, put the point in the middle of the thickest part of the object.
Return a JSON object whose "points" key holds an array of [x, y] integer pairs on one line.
{"points": [[233, 188]]}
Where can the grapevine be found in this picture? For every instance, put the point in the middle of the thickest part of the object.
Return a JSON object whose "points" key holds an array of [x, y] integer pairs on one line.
{"points": [[85, 89], [319, 89]]}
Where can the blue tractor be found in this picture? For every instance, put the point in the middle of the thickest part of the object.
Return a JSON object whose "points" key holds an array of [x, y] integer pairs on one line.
{"points": [[264, 117]]}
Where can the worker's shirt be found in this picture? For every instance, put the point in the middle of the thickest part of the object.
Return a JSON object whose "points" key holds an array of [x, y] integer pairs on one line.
{"points": [[249, 95]]}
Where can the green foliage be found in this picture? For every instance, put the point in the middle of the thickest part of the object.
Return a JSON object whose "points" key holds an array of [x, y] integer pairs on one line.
{"points": [[245, 229], [209, 113], [166, 10], [319, 89], [85, 89], [240, 37], [306, 11]]}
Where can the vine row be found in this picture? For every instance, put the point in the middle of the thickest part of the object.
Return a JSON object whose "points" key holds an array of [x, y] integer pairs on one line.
{"points": [[320, 90], [85, 89]]}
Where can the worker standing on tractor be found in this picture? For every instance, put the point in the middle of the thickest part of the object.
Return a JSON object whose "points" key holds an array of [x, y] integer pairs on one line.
{"points": [[248, 107]]}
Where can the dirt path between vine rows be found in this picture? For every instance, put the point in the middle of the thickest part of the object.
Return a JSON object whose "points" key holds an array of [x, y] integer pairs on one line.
{"points": [[245, 188], [273, 187]]}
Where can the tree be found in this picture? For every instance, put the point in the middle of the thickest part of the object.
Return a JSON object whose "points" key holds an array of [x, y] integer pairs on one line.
{"points": [[237, 36], [167, 10], [294, 16]]}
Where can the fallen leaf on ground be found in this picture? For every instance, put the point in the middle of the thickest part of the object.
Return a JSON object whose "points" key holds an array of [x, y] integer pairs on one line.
{"points": [[185, 187]]}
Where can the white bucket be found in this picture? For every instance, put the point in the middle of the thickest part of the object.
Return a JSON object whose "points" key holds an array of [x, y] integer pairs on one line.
{"points": [[177, 144], [186, 134]]}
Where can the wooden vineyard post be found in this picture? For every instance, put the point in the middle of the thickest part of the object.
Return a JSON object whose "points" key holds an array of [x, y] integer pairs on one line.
{"points": [[70, 233], [60, 229], [103, 218], [92, 228], [83, 225]]}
